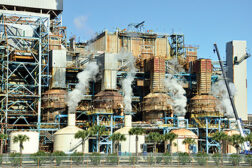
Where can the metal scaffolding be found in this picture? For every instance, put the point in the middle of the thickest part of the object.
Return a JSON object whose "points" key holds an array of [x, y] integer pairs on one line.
{"points": [[24, 66], [177, 45]]}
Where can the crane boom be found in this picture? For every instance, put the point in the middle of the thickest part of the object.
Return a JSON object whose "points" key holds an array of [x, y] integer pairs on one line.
{"points": [[246, 147]]}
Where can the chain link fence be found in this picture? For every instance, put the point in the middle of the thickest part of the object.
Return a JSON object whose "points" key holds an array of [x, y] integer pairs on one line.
{"points": [[126, 161]]}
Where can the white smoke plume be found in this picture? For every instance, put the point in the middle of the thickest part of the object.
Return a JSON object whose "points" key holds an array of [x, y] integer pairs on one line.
{"points": [[84, 77], [174, 67], [219, 90], [177, 93], [127, 82]]}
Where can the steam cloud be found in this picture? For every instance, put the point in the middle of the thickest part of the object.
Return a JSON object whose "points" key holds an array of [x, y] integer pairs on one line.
{"points": [[174, 66], [127, 82], [219, 90], [177, 94], [84, 77]]}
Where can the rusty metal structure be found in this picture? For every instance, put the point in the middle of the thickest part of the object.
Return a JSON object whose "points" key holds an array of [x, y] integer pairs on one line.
{"points": [[39, 67]]}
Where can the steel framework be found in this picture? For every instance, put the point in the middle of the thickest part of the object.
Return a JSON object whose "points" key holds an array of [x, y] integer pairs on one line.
{"points": [[24, 66]]}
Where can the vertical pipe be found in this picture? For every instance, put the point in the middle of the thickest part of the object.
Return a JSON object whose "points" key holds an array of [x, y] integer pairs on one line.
{"points": [[207, 147], [111, 131], [39, 84], [7, 93]]}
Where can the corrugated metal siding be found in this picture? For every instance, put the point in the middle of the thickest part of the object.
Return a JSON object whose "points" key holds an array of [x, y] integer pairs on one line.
{"points": [[40, 4]]}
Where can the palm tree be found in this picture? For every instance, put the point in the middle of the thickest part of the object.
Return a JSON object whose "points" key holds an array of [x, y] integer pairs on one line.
{"points": [[171, 137], [99, 131], [136, 131], [220, 137], [156, 138], [189, 141], [116, 138], [249, 138], [2, 138], [84, 136], [236, 140], [21, 139]]}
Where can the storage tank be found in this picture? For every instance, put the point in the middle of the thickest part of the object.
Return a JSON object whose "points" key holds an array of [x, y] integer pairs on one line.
{"points": [[30, 146], [177, 144], [64, 138], [129, 145]]}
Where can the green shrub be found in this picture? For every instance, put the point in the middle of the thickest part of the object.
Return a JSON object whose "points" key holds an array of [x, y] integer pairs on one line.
{"points": [[59, 156], [77, 157], [112, 158], [217, 158], [39, 158], [235, 159], [15, 159], [95, 158], [159, 159], [133, 160], [248, 159], [167, 158], [184, 158], [150, 159], [1, 159], [201, 158]]}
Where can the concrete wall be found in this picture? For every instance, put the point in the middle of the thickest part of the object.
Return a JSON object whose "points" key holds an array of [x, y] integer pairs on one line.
{"points": [[238, 75]]}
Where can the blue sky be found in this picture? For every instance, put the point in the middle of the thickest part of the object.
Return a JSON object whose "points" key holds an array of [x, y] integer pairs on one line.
{"points": [[202, 22]]}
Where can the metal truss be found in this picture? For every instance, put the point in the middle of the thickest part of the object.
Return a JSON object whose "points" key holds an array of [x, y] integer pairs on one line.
{"points": [[177, 45], [210, 125], [103, 119], [24, 69]]}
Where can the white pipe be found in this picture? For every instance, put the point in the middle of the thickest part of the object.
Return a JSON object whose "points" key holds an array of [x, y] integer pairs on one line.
{"points": [[128, 120], [71, 119]]}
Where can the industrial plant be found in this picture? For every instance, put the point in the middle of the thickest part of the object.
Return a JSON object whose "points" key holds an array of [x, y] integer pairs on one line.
{"points": [[53, 86]]}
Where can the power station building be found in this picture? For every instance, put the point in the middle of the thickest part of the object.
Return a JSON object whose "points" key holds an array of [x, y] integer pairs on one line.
{"points": [[171, 86]]}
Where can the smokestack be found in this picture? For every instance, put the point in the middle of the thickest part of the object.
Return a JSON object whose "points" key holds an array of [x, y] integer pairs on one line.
{"points": [[71, 119], [181, 122], [127, 120]]}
